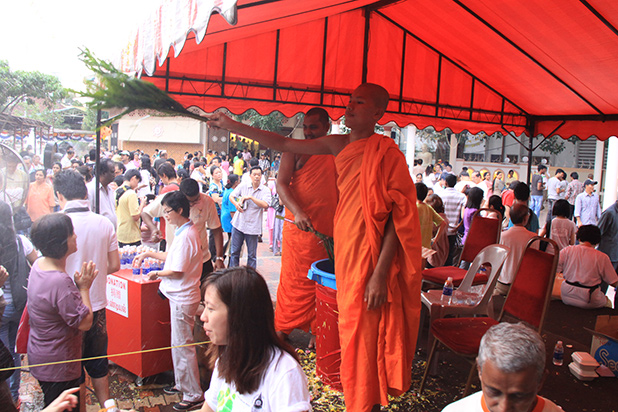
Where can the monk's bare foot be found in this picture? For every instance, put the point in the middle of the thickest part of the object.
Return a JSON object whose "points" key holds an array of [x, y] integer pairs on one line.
{"points": [[282, 336], [311, 344]]}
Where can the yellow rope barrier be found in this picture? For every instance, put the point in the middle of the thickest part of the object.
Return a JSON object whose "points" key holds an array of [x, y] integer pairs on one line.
{"points": [[103, 357]]}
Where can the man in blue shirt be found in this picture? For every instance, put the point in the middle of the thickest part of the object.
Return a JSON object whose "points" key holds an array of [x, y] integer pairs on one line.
{"points": [[587, 207]]}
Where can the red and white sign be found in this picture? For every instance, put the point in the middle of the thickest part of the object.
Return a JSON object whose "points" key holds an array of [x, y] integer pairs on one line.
{"points": [[117, 295]]}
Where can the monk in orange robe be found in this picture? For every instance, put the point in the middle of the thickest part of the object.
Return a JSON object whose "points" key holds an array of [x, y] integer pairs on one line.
{"points": [[307, 187], [377, 249]]}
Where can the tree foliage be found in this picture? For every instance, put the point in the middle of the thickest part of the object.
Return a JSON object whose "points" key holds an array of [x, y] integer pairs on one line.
{"points": [[19, 86], [553, 145], [272, 122]]}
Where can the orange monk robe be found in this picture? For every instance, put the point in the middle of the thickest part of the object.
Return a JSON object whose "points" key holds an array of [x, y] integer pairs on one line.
{"points": [[377, 346], [315, 188]]}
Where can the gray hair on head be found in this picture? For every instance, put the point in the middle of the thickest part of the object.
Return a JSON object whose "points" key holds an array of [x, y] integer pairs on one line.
{"points": [[512, 347]]}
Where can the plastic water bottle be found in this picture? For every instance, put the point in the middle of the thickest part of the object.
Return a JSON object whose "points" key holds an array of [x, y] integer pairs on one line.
{"points": [[136, 269], [123, 258], [110, 406], [447, 290], [558, 359], [146, 267]]}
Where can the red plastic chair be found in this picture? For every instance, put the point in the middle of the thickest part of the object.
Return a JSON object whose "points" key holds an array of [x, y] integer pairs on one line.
{"points": [[526, 301], [484, 231]]}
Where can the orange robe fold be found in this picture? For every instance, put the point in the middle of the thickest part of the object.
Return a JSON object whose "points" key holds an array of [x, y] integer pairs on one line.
{"points": [[377, 346], [315, 188]]}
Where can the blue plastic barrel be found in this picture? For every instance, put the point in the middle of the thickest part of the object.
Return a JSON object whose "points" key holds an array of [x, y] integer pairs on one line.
{"points": [[323, 272]]}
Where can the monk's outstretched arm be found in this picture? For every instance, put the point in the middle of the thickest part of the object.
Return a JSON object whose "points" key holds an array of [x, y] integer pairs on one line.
{"points": [[376, 291], [323, 145], [284, 178]]}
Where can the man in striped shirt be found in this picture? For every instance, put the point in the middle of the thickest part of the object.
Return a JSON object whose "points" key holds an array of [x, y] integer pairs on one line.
{"points": [[453, 201]]}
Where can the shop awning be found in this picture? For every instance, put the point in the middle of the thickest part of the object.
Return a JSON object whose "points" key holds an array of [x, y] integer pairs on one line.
{"points": [[491, 65]]}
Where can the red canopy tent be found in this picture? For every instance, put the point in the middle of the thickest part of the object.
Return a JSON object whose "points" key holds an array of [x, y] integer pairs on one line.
{"points": [[541, 67]]}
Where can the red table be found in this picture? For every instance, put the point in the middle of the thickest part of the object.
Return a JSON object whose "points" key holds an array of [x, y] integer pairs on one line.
{"points": [[137, 319]]}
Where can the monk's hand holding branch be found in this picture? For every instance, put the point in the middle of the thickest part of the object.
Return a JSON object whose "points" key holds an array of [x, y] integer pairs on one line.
{"points": [[302, 221], [221, 121], [376, 292]]}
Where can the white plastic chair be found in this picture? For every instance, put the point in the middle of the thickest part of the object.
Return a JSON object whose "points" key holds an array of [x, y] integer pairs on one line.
{"points": [[493, 257]]}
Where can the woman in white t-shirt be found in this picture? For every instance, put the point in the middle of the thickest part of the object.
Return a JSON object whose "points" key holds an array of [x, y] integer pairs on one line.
{"points": [[252, 368]]}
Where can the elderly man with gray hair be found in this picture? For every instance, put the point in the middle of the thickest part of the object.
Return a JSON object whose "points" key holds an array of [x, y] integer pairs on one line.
{"points": [[511, 366]]}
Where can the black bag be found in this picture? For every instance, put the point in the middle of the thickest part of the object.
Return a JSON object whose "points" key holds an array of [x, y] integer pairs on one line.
{"points": [[275, 204], [19, 279]]}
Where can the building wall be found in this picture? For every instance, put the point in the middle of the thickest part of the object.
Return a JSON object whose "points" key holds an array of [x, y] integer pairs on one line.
{"points": [[175, 151]]}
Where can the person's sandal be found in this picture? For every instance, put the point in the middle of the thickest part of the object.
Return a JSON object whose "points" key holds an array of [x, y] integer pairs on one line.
{"points": [[187, 405], [171, 390]]}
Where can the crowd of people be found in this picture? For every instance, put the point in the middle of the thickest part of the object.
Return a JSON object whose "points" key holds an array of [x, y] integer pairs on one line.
{"points": [[199, 214], [179, 211]]}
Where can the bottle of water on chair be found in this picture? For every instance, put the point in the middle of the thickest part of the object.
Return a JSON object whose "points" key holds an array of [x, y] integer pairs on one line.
{"points": [[447, 291]]}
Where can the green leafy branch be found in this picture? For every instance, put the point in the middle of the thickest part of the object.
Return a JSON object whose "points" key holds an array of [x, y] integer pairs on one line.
{"points": [[112, 88], [327, 241]]}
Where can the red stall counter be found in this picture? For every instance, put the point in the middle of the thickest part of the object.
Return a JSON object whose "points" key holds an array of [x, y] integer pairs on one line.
{"points": [[137, 319]]}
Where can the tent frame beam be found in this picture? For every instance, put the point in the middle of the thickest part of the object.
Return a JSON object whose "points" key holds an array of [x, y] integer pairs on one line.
{"points": [[526, 54], [500, 114]]}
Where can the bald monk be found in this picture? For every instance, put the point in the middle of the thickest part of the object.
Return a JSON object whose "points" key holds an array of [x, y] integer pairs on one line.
{"points": [[307, 187], [377, 249]]}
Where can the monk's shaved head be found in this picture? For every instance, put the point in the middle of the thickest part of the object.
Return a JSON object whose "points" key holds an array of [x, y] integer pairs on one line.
{"points": [[377, 93]]}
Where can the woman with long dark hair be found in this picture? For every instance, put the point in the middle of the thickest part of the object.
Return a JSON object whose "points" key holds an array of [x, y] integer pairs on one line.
{"points": [[475, 198], [252, 367], [149, 176]]}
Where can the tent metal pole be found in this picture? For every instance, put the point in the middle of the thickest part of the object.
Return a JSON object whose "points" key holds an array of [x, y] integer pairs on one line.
{"points": [[366, 45], [97, 161], [530, 150], [323, 73]]}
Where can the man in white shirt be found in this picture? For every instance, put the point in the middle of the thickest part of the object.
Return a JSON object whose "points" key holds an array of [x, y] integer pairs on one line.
{"points": [[511, 367], [203, 214], [66, 159], [515, 239], [180, 283], [556, 190], [96, 241], [107, 205], [480, 183], [125, 158], [250, 201], [199, 175]]}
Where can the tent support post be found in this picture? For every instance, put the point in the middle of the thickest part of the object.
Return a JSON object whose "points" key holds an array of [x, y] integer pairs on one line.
{"points": [[530, 150], [323, 74], [97, 161], [366, 45]]}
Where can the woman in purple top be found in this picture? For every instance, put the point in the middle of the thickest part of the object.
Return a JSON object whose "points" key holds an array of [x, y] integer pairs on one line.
{"points": [[59, 309], [475, 198]]}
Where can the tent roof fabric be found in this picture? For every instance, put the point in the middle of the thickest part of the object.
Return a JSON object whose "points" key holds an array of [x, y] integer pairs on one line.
{"points": [[512, 65]]}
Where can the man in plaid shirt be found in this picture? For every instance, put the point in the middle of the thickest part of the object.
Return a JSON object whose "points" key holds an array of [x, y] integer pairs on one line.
{"points": [[453, 201]]}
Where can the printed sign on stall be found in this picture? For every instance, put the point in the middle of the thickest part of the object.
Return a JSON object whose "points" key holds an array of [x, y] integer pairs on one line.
{"points": [[118, 295]]}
